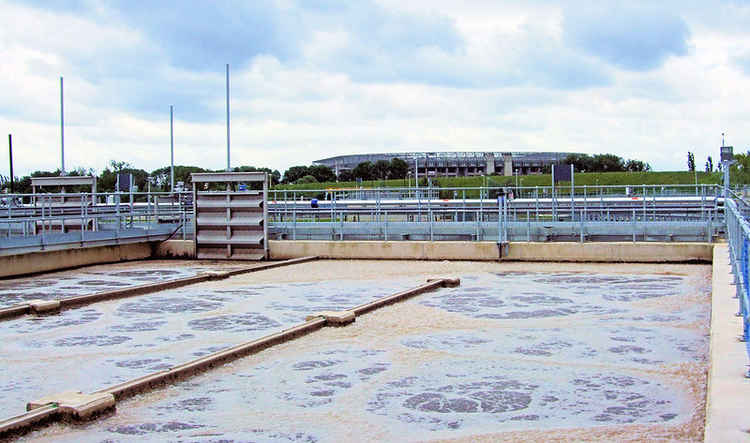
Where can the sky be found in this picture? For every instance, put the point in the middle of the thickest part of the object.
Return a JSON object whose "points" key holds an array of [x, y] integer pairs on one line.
{"points": [[316, 78]]}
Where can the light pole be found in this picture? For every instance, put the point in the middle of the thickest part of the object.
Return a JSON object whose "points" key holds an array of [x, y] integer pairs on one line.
{"points": [[62, 131], [171, 148], [228, 167]]}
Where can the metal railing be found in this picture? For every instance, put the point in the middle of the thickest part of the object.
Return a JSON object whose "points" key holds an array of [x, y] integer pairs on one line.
{"points": [[738, 235], [584, 213], [41, 221]]}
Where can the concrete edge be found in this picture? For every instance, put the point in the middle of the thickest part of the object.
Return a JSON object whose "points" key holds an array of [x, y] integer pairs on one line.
{"points": [[46, 307], [21, 424], [32, 263], [727, 388], [46, 411], [597, 252]]}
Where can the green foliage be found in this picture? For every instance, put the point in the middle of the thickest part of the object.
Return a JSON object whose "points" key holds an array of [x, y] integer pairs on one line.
{"points": [[295, 173], [322, 173], [590, 178], [398, 169], [380, 169], [306, 179], [364, 171], [604, 163]]}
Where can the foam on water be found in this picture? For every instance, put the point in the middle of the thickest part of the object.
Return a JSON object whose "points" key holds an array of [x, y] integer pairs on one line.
{"points": [[111, 342], [602, 356]]}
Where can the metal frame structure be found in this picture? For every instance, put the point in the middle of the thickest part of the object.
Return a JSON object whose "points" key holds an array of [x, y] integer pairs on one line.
{"points": [[230, 223]]}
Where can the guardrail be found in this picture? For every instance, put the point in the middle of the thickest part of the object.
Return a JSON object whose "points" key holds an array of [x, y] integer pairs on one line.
{"points": [[39, 221], [582, 213], [738, 234]]}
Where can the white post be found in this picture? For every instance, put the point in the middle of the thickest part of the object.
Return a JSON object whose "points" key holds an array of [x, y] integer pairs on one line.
{"points": [[171, 147]]}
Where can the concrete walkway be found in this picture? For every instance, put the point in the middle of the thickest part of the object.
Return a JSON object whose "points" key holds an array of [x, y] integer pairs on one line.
{"points": [[728, 403]]}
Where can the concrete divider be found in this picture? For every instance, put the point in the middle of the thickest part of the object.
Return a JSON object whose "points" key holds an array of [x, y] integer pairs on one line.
{"points": [[78, 406], [175, 249], [641, 252], [47, 307], [728, 391], [45, 261]]}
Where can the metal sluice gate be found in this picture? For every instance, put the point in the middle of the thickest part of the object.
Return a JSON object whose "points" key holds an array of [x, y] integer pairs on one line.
{"points": [[230, 223]]}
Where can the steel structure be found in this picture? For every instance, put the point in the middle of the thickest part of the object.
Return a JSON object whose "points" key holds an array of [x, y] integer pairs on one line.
{"points": [[585, 213], [738, 235], [230, 223]]}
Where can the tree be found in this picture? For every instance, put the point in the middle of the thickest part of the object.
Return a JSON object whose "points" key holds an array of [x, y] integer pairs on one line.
{"points": [[346, 176], [295, 173], [182, 174], [709, 164], [608, 163], [363, 171], [380, 169], [637, 166], [274, 174], [398, 168], [691, 162], [740, 170], [108, 178], [322, 173], [306, 179]]}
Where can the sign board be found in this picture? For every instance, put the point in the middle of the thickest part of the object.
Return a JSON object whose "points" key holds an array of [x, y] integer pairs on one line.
{"points": [[727, 153], [123, 182], [562, 173]]}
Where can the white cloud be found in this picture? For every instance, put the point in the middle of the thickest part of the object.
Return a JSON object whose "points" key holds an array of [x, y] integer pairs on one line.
{"points": [[500, 78]]}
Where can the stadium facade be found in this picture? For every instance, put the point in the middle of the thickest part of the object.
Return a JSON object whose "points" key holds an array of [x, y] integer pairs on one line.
{"points": [[456, 164]]}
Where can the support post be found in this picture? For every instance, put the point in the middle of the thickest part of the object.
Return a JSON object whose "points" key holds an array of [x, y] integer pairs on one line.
{"points": [[10, 157], [171, 149], [62, 130], [228, 167]]}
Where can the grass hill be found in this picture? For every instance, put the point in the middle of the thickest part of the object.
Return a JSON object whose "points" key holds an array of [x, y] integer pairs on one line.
{"points": [[583, 178]]}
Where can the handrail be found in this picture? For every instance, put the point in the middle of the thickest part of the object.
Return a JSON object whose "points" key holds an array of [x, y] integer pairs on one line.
{"points": [[738, 234]]}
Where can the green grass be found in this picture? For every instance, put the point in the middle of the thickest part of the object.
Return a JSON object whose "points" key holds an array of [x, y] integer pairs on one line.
{"points": [[584, 178]]}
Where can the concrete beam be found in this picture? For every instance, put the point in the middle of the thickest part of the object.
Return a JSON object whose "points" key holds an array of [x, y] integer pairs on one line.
{"points": [[76, 404], [644, 252], [43, 307], [44, 261]]}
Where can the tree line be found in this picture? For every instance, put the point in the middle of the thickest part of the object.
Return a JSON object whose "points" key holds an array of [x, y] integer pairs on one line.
{"points": [[605, 163], [396, 168], [107, 180], [380, 170]]}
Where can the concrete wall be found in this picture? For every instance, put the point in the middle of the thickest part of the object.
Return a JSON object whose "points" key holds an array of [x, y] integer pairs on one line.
{"points": [[482, 251], [13, 265], [175, 249]]}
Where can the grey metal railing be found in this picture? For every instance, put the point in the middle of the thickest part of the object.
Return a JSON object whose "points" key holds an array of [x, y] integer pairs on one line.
{"points": [[738, 234], [41, 220], [648, 212]]}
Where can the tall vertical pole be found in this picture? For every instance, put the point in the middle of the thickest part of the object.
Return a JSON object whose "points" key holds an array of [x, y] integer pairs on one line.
{"points": [[228, 167], [416, 173], [572, 192], [62, 130], [10, 156], [171, 148]]}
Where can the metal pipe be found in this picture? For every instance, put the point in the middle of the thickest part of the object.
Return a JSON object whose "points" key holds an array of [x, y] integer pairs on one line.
{"points": [[171, 148], [62, 130], [228, 167], [10, 156]]}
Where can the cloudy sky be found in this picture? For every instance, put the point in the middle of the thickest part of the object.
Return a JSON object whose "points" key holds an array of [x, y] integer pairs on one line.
{"points": [[317, 78]]}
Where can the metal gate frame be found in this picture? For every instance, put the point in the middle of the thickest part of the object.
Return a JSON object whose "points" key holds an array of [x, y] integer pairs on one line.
{"points": [[242, 220]]}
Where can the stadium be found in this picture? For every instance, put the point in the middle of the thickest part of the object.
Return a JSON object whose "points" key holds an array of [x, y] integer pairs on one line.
{"points": [[456, 163]]}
